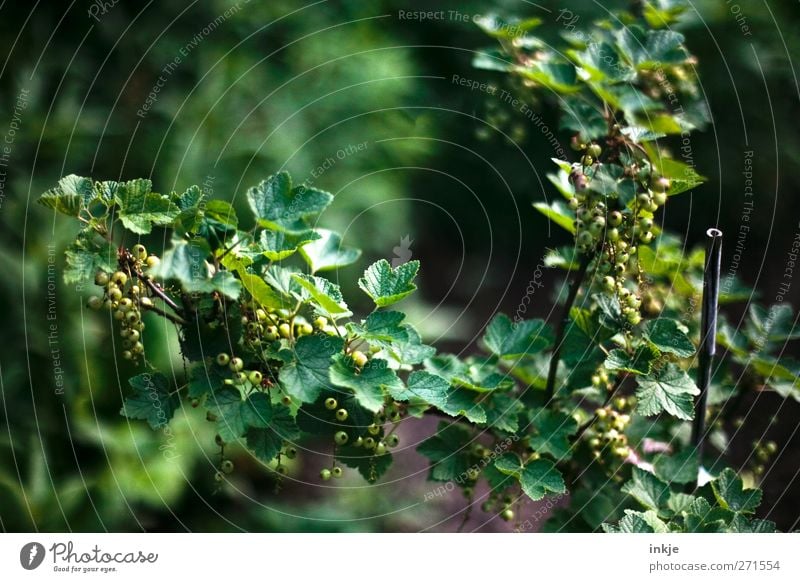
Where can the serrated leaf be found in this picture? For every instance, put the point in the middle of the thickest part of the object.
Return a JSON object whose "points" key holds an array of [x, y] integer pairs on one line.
{"points": [[307, 374], [552, 430], [639, 363], [386, 285], [325, 295], [667, 336], [367, 383], [327, 252], [681, 467], [511, 339], [266, 442], [448, 451], [730, 493], [140, 209], [558, 212], [279, 206], [151, 400], [670, 390], [382, 326], [87, 255]]}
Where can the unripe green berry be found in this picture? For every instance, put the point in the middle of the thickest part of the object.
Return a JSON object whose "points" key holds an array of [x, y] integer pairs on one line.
{"points": [[507, 515], [659, 198], [369, 443], [227, 466], [341, 415], [609, 283], [584, 238], [380, 448], [152, 262], [341, 438], [284, 330], [337, 472], [393, 440], [646, 237], [594, 150], [573, 203], [661, 185], [331, 403], [127, 355], [612, 234], [236, 364], [634, 318], [95, 302], [291, 453], [325, 474], [223, 359], [359, 358], [373, 429], [119, 278], [115, 294], [255, 377]]}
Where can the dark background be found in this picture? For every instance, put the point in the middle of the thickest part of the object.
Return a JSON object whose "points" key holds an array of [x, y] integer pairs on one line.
{"points": [[283, 84]]}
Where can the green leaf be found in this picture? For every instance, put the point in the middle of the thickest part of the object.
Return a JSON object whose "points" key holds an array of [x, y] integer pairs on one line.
{"points": [[671, 390], [638, 522], [683, 177], [681, 467], [326, 295], [581, 117], [436, 391], [647, 489], [278, 245], [278, 206], [500, 28], [151, 400], [541, 477], [448, 451], [667, 336], [266, 442], [307, 374], [509, 339], [552, 432], [385, 285], [72, 194], [639, 363], [367, 383], [730, 493], [558, 212], [140, 209], [88, 254], [185, 261], [326, 252]]}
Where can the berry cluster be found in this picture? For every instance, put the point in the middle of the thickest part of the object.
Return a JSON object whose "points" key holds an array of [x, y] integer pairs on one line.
{"points": [[268, 325], [503, 505], [125, 294], [608, 431], [762, 453]]}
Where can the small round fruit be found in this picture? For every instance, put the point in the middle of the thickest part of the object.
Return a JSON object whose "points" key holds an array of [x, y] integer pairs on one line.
{"points": [[227, 466], [380, 448], [271, 333], [255, 377], [634, 318], [369, 443], [331, 403], [661, 185], [95, 302], [609, 283], [587, 160], [146, 302], [132, 317], [612, 234], [772, 447], [152, 262], [393, 440], [281, 469], [507, 515], [219, 477], [101, 278], [373, 429], [125, 304], [133, 335], [305, 329], [127, 355], [236, 364], [337, 472], [341, 438], [223, 359], [119, 278], [646, 237], [584, 238], [645, 223], [291, 453], [119, 315], [321, 322], [325, 474], [573, 203], [644, 199], [659, 198], [615, 218], [359, 358], [594, 150], [285, 330], [286, 400], [139, 252], [341, 415], [261, 315], [115, 294]]}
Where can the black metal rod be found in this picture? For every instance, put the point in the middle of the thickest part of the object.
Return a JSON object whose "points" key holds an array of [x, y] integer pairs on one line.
{"points": [[708, 335]]}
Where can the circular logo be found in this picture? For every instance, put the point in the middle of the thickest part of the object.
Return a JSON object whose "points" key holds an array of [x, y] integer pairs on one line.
{"points": [[31, 555]]}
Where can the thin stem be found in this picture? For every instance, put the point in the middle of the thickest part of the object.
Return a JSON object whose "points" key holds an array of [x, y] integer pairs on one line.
{"points": [[176, 319], [575, 285], [160, 292]]}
